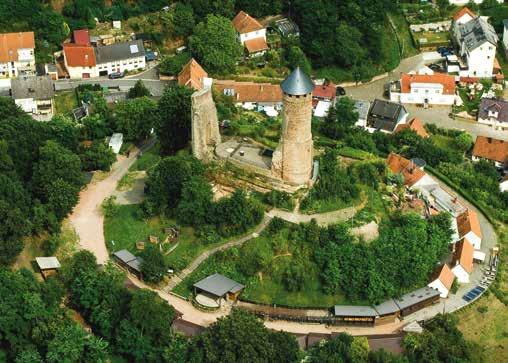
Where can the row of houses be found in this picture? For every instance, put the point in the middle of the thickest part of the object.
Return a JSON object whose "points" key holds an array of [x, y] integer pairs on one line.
{"points": [[467, 235]]}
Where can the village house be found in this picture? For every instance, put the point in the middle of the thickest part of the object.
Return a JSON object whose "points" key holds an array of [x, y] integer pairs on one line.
{"points": [[250, 33], [385, 116], [494, 112], [505, 35], [323, 97], [362, 107], [251, 95], [442, 280], [84, 61], [414, 176], [490, 149], [416, 125], [17, 54], [468, 226], [425, 89], [462, 262], [215, 289], [194, 76], [476, 41], [464, 2], [33, 94]]}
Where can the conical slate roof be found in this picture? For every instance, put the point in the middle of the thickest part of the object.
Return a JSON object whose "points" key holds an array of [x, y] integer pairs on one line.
{"points": [[297, 83]]}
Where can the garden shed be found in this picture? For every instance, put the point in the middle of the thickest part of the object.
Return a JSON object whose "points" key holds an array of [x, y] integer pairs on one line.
{"points": [[47, 265], [218, 287]]}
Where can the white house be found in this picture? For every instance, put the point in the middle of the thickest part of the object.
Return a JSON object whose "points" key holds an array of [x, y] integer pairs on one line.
{"points": [[414, 176], [362, 107], [85, 61], [34, 94], [250, 33], [476, 41], [251, 95], [462, 263], [17, 54], [494, 112], [435, 89], [464, 2], [468, 226], [503, 185], [442, 280]]}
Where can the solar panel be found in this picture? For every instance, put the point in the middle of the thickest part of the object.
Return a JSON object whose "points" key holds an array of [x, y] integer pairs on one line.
{"points": [[134, 48]]}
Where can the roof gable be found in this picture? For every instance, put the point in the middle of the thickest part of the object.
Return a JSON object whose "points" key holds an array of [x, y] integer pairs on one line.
{"points": [[491, 149], [244, 23], [192, 75], [249, 91], [447, 81], [120, 51], [400, 165], [445, 275], [468, 222], [416, 125], [464, 11], [463, 255], [10, 43], [79, 56], [500, 105]]}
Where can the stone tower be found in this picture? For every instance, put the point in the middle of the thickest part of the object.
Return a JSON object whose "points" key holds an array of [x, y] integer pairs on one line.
{"points": [[292, 160], [205, 125]]}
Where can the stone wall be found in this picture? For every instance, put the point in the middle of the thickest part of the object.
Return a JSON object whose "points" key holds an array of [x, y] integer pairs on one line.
{"points": [[292, 160], [205, 125]]}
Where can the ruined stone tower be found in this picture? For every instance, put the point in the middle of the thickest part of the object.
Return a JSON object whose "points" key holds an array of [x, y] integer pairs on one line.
{"points": [[292, 160], [205, 125]]}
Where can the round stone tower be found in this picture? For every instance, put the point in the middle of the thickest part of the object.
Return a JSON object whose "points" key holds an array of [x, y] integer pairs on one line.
{"points": [[292, 160]]}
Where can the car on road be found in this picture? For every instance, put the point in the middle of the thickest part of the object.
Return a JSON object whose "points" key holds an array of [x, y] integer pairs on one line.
{"points": [[341, 91], [116, 75]]}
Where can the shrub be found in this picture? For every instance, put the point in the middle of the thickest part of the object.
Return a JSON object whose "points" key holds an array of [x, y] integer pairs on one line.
{"points": [[50, 245], [109, 207]]}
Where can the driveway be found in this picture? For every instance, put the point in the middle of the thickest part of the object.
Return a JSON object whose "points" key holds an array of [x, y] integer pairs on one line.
{"points": [[156, 87]]}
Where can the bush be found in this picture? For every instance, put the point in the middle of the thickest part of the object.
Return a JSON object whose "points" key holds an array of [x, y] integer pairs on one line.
{"points": [[483, 309], [109, 207], [153, 266], [50, 245], [208, 234]]}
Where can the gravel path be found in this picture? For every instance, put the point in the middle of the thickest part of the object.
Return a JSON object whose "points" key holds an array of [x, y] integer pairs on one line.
{"points": [[87, 218]]}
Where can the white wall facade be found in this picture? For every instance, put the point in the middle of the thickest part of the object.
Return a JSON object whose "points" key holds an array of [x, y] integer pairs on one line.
{"points": [[82, 72], [27, 104], [439, 286], [505, 38], [425, 181], [126, 65], [430, 93], [465, 2], [252, 35], [496, 163], [461, 274], [474, 239], [480, 60], [24, 64], [494, 122]]}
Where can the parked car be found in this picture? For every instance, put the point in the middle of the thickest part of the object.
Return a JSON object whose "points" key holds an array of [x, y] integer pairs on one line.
{"points": [[341, 91], [435, 67], [116, 75]]}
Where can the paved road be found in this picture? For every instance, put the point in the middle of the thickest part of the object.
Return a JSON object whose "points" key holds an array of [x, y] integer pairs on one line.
{"points": [[175, 280], [437, 114]]}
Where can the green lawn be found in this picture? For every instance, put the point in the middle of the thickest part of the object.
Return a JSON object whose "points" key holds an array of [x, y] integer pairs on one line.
{"points": [[147, 160], [256, 126], [444, 142], [327, 205], [375, 209], [403, 32], [65, 102], [260, 265], [129, 225]]}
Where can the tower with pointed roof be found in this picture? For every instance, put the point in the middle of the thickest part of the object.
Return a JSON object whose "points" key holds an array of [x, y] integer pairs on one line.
{"points": [[292, 160]]}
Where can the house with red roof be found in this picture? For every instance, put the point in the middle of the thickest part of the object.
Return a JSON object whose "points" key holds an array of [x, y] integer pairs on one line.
{"points": [[468, 227], [413, 175], [462, 262], [17, 54], [251, 33], [494, 150], [416, 125], [442, 280], [425, 89]]}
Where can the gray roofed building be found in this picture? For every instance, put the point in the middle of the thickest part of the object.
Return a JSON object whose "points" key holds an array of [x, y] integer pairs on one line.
{"points": [[385, 115], [351, 310], [124, 256], [218, 285], [119, 51], [47, 263], [135, 264], [297, 83], [497, 108], [476, 32], [416, 297], [387, 307], [33, 87], [287, 27], [362, 107]]}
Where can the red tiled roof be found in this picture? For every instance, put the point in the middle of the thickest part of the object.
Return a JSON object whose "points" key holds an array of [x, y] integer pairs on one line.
{"points": [[464, 255], [469, 79], [445, 275], [11, 42], [416, 125], [79, 56], [192, 75], [447, 81], [401, 165], [244, 23], [327, 91], [465, 10], [468, 222], [491, 149], [250, 91], [81, 37], [256, 45]]}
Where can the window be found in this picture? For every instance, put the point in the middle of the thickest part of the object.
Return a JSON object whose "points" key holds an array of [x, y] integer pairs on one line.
{"points": [[229, 92], [488, 57]]}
